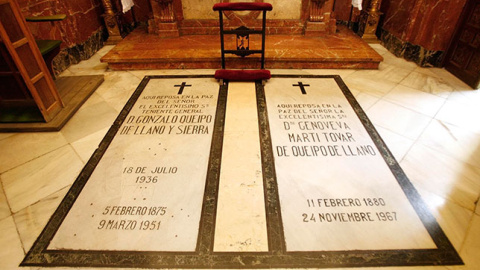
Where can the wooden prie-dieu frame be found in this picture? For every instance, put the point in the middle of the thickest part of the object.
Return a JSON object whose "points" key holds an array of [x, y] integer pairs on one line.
{"points": [[242, 75]]}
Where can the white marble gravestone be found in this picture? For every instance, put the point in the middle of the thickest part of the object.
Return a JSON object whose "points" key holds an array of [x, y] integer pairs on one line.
{"points": [[336, 190], [147, 192]]}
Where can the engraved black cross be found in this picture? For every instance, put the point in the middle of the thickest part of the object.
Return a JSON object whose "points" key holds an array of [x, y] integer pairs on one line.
{"points": [[182, 86], [302, 87]]}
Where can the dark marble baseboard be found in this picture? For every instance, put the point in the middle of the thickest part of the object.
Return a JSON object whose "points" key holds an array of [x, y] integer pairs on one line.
{"points": [[411, 52], [73, 55]]}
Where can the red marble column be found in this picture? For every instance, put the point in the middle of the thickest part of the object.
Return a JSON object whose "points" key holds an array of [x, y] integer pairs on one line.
{"points": [[321, 19], [164, 23]]}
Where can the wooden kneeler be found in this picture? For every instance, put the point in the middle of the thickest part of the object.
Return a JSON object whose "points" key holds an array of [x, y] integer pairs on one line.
{"points": [[48, 48], [242, 75]]}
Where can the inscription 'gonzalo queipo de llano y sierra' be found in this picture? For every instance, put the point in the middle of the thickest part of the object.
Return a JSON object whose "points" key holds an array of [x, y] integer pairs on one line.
{"points": [[143, 195]]}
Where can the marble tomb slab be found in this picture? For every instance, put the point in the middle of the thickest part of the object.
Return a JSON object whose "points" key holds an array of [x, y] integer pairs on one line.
{"points": [[286, 174]]}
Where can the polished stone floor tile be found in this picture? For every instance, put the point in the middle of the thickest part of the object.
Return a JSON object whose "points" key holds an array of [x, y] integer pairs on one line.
{"points": [[11, 253], [89, 119], [466, 96], [454, 141], [41, 177], [461, 115], [368, 84], [444, 75], [443, 175], [23, 147], [471, 248], [118, 80], [453, 218], [416, 100], [91, 66], [31, 220], [428, 84], [342, 72], [389, 58], [398, 144], [85, 146], [5, 135], [386, 72], [366, 101], [116, 97], [4, 207], [398, 119]]}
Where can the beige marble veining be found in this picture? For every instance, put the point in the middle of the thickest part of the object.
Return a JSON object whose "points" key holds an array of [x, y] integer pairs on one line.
{"points": [[369, 84], [443, 175], [454, 141], [461, 115], [41, 177], [366, 101], [453, 218], [85, 146], [434, 85], [398, 119], [416, 100], [12, 251], [23, 147], [398, 144], [465, 95], [471, 246], [89, 119], [31, 220], [4, 207], [386, 72], [5, 135], [241, 218], [119, 79], [391, 59], [116, 98]]}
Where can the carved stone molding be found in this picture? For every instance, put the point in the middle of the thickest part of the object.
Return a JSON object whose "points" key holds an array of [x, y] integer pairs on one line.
{"points": [[166, 11], [164, 22], [316, 11], [321, 19]]}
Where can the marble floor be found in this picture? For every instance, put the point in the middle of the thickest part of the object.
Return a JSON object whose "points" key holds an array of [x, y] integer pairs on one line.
{"points": [[425, 115]]}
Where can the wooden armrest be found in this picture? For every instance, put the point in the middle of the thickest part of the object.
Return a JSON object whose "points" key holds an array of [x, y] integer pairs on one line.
{"points": [[238, 6], [47, 46], [51, 18]]}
